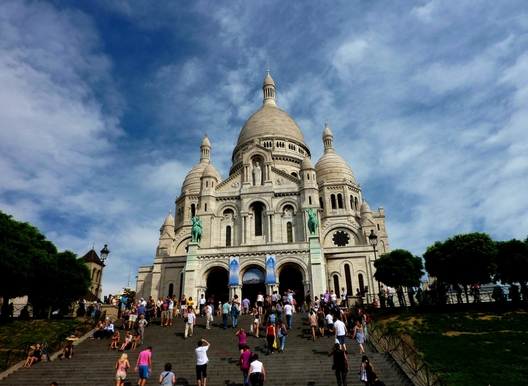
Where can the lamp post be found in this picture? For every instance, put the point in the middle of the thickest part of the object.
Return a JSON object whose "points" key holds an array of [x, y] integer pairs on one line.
{"points": [[104, 254], [373, 240]]}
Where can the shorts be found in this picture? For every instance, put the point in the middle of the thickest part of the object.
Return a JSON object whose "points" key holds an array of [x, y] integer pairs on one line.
{"points": [[143, 372], [241, 346], [201, 370], [313, 326], [255, 321], [330, 326], [341, 339], [121, 376], [164, 314], [259, 304], [320, 323], [132, 318], [169, 314]]}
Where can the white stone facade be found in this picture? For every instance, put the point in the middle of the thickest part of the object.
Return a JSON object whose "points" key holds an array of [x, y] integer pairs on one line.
{"points": [[260, 210]]}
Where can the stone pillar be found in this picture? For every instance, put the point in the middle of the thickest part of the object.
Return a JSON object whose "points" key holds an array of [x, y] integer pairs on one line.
{"points": [[317, 266], [191, 265], [235, 289]]}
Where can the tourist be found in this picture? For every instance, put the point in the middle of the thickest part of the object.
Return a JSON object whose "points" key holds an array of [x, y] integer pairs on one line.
{"points": [[183, 305], [260, 302], [366, 371], [164, 313], [245, 305], [201, 301], [321, 321], [308, 301], [144, 365], [288, 311], [271, 335], [340, 332], [201, 361], [376, 381], [281, 334], [343, 297], [242, 339], [225, 314], [234, 312], [115, 341], [190, 322], [135, 339], [35, 355], [167, 378], [312, 321], [67, 351], [170, 311], [340, 365], [141, 327], [330, 323], [256, 322], [127, 343], [121, 366], [257, 372], [209, 312], [359, 336], [243, 361]]}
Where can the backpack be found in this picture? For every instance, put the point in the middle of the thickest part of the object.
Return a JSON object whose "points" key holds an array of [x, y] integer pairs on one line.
{"points": [[367, 318], [272, 318]]}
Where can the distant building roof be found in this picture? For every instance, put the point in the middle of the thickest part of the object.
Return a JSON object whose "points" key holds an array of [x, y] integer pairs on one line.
{"points": [[92, 257]]}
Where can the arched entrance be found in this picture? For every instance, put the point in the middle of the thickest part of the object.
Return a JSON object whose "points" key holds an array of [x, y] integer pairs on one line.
{"points": [[253, 283], [217, 285], [291, 278]]}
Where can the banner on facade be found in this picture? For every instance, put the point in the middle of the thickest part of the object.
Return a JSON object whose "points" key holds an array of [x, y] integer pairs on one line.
{"points": [[271, 266], [234, 270]]}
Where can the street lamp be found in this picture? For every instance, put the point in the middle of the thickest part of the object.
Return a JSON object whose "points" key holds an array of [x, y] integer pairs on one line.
{"points": [[104, 254], [373, 240]]}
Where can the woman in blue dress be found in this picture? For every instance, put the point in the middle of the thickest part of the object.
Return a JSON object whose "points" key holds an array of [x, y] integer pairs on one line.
{"points": [[359, 336]]}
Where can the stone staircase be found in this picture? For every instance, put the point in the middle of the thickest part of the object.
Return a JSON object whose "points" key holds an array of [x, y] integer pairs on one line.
{"points": [[303, 363]]}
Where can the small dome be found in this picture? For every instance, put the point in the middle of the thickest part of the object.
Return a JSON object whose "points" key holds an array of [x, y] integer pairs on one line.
{"points": [[307, 163], [333, 168], [192, 180], [268, 81], [206, 141], [210, 171], [365, 208]]}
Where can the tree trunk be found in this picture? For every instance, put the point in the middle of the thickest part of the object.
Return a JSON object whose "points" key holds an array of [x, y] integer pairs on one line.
{"points": [[466, 292]]}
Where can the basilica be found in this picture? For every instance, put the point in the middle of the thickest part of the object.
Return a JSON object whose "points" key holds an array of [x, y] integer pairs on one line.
{"points": [[277, 222]]}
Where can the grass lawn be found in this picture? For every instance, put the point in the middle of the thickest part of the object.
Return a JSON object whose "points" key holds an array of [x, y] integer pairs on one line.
{"points": [[17, 332], [471, 348]]}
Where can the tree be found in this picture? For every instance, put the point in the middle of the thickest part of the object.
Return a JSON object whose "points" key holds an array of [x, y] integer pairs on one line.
{"points": [[512, 263], [63, 281], [464, 259], [22, 247], [399, 268]]}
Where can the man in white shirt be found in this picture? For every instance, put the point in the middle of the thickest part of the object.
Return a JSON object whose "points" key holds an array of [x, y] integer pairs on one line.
{"points": [[288, 311], [170, 309], [257, 372], [343, 297], [208, 316], [201, 361], [190, 322], [340, 332], [202, 305]]}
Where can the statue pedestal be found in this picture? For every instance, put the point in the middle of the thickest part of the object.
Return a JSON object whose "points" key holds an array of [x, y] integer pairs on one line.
{"points": [[317, 266], [189, 274]]}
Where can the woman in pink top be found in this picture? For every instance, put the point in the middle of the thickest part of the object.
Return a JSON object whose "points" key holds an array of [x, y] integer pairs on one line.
{"points": [[121, 365], [242, 342]]}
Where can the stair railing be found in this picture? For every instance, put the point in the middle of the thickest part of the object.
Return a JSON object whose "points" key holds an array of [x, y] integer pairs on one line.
{"points": [[386, 340]]}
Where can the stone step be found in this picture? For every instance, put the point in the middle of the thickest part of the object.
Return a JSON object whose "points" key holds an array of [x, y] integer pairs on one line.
{"points": [[303, 363]]}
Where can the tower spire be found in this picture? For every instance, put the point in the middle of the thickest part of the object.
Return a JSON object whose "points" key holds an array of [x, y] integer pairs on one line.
{"points": [[268, 88]]}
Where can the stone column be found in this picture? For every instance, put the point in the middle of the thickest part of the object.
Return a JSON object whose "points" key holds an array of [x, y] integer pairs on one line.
{"points": [[317, 266], [189, 274], [235, 289]]}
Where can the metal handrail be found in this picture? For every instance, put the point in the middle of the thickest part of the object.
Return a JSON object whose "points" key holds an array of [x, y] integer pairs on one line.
{"points": [[386, 340], [19, 353]]}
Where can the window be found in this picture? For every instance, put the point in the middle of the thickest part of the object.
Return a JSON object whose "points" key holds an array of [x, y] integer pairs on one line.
{"points": [[361, 285], [294, 174], [352, 202], [321, 202], [348, 279], [340, 201], [336, 284], [341, 239], [193, 210], [310, 200], [289, 232], [356, 202], [257, 213], [171, 290], [333, 201], [205, 207], [228, 236]]}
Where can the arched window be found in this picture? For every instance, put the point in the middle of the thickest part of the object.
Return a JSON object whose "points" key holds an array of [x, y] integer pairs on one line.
{"points": [[228, 236], [361, 284], [348, 279], [356, 201], [294, 174], [193, 210], [93, 274], [351, 202], [310, 200], [289, 232], [333, 201], [257, 215], [171, 290], [321, 202], [340, 201], [205, 207], [336, 284]]}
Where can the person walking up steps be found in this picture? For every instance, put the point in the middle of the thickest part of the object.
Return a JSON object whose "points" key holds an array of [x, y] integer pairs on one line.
{"points": [[144, 365]]}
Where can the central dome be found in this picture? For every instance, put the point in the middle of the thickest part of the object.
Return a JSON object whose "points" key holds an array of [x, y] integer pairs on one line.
{"points": [[270, 122]]}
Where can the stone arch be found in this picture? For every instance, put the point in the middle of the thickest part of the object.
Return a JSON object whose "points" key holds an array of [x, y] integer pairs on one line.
{"points": [[287, 201], [250, 290], [181, 248], [249, 203], [215, 278], [329, 234], [292, 276]]}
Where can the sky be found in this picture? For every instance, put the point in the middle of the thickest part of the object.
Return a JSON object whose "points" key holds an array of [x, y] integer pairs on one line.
{"points": [[104, 104]]}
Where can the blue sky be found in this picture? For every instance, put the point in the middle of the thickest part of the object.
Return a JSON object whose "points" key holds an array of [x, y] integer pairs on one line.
{"points": [[103, 106]]}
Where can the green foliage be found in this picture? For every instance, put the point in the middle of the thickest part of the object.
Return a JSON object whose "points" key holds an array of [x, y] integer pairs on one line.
{"points": [[399, 267], [129, 294], [472, 348], [17, 332], [512, 261], [465, 259]]}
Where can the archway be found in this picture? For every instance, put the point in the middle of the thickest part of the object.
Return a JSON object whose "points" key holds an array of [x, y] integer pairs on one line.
{"points": [[217, 285], [252, 283], [291, 278]]}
